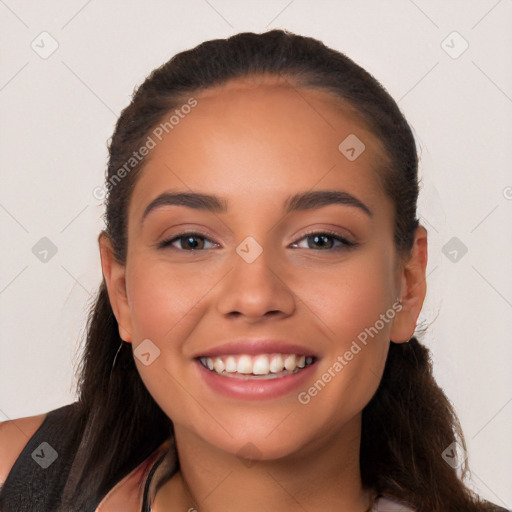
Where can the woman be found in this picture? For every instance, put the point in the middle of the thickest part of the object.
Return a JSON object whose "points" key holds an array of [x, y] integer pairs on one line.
{"points": [[251, 346]]}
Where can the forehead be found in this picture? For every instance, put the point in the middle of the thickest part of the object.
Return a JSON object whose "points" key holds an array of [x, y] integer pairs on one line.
{"points": [[257, 138]]}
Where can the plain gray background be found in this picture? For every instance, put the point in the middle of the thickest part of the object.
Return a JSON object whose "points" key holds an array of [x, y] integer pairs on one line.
{"points": [[59, 109]]}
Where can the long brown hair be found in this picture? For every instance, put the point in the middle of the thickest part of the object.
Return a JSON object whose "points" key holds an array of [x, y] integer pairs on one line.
{"points": [[408, 423]]}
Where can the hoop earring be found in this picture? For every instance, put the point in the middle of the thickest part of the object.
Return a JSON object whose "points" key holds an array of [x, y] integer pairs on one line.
{"points": [[122, 344]]}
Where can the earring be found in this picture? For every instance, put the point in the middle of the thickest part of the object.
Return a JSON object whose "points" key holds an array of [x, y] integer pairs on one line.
{"points": [[122, 344]]}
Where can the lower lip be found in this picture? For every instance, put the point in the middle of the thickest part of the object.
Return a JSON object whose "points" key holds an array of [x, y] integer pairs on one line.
{"points": [[255, 389]]}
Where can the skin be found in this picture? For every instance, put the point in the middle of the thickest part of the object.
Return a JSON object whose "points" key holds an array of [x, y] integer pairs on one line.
{"points": [[254, 143]]}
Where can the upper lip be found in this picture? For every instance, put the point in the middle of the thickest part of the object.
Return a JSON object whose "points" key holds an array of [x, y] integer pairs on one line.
{"points": [[256, 346]]}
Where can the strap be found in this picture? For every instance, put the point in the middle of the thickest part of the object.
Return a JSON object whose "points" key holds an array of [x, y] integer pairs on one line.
{"points": [[145, 501], [165, 467], [37, 478]]}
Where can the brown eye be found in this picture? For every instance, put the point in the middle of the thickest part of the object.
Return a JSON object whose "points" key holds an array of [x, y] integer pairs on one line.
{"points": [[325, 241], [187, 242]]}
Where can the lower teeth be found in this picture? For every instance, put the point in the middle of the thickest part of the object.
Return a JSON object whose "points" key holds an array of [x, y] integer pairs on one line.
{"points": [[247, 376]]}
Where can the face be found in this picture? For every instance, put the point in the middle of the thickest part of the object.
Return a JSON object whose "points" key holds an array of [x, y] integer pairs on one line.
{"points": [[271, 276]]}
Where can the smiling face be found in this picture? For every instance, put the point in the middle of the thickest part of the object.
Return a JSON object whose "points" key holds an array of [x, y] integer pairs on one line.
{"points": [[256, 265]]}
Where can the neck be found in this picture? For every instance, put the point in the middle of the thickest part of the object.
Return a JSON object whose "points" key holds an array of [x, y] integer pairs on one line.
{"points": [[324, 475]]}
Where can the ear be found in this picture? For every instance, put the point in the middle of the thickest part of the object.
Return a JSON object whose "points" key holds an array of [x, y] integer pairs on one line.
{"points": [[413, 289], [114, 275]]}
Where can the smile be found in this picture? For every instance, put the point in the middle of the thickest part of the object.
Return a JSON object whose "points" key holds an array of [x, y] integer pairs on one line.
{"points": [[260, 366]]}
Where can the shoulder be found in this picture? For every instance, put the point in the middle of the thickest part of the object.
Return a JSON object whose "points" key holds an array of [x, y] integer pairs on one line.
{"points": [[14, 436]]}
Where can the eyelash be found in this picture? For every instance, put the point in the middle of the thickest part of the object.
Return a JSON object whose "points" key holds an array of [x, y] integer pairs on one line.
{"points": [[346, 244]]}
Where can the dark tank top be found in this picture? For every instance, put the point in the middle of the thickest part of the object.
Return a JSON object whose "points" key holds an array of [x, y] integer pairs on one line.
{"points": [[34, 485]]}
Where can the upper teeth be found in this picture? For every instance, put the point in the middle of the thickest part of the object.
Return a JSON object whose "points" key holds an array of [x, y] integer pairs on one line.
{"points": [[261, 364]]}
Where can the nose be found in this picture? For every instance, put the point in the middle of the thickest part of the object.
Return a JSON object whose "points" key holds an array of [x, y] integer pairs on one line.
{"points": [[255, 290]]}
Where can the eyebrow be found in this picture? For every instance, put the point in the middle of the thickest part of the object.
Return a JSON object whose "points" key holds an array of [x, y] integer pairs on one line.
{"points": [[302, 201]]}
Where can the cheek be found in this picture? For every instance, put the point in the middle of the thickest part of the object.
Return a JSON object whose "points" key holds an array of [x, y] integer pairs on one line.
{"points": [[353, 308], [166, 305], [348, 298], [161, 297], [163, 306]]}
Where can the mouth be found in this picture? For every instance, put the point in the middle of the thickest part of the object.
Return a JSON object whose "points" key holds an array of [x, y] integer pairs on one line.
{"points": [[255, 376], [257, 366]]}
